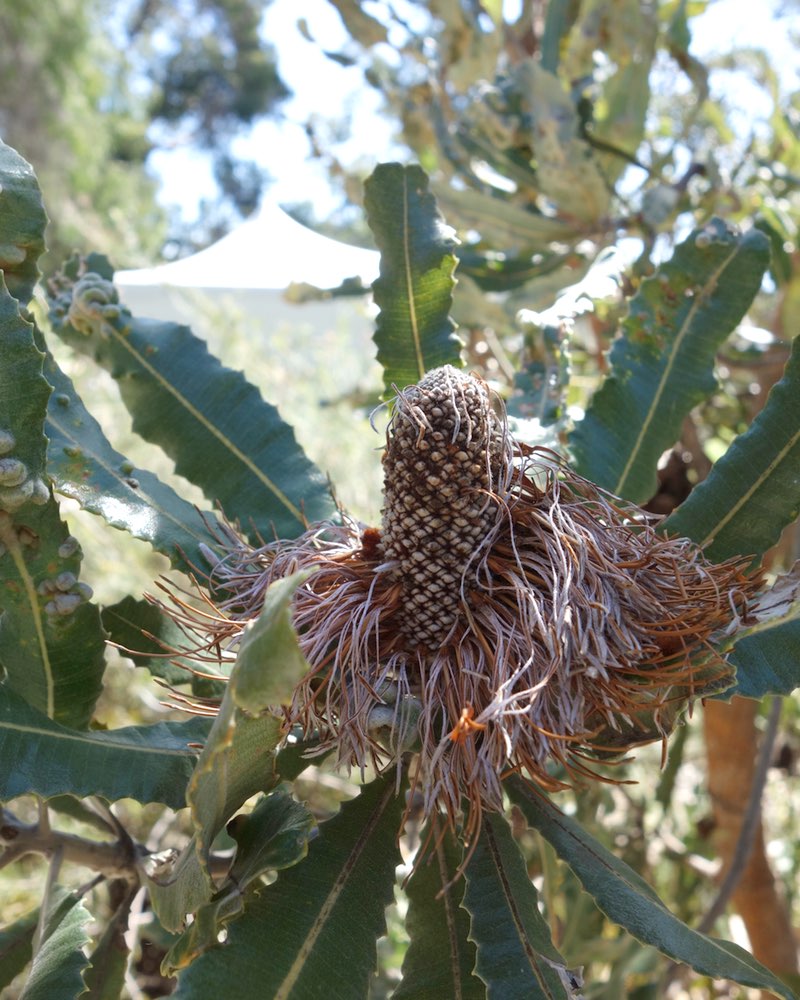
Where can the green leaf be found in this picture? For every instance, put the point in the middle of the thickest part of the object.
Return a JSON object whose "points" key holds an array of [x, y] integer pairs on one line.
{"points": [[766, 645], [59, 962], [52, 646], [238, 760], [559, 17], [85, 467], [274, 836], [144, 632], [440, 957], [147, 763], [663, 364], [516, 956], [630, 902], [566, 171], [767, 662], [22, 224], [16, 946], [751, 493], [270, 662], [215, 425], [108, 960], [503, 222], [322, 918], [414, 292]]}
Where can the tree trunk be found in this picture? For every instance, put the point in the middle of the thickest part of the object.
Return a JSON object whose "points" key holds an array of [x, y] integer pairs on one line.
{"points": [[732, 746]]}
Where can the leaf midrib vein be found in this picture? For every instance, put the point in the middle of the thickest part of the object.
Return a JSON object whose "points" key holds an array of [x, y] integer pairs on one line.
{"points": [[208, 426], [287, 985], [676, 345]]}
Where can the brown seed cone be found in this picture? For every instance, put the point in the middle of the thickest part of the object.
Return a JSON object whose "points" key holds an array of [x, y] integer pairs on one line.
{"points": [[446, 453], [519, 615]]}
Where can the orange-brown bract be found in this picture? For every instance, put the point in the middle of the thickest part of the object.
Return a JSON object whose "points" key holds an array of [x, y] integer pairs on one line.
{"points": [[511, 613]]}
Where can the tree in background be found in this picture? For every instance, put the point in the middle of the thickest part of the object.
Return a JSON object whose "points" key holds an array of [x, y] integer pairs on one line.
{"points": [[89, 90]]}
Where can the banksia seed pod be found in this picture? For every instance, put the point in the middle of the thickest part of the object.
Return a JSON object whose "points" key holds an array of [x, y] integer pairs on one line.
{"points": [[446, 453], [507, 616]]}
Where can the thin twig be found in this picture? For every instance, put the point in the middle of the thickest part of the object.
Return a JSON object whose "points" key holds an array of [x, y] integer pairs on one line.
{"points": [[114, 860]]}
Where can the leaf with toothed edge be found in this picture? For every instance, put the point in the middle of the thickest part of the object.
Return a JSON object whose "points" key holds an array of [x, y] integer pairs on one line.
{"points": [[52, 645], [440, 957], [742, 507], [751, 493], [272, 837], [414, 332], [215, 425], [85, 467], [515, 953], [322, 917], [629, 901], [151, 763], [22, 224], [663, 365], [238, 759]]}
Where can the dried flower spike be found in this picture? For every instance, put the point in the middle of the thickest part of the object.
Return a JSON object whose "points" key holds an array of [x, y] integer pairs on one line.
{"points": [[509, 614]]}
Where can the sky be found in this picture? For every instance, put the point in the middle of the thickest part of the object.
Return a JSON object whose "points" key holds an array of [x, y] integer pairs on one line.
{"points": [[325, 89]]}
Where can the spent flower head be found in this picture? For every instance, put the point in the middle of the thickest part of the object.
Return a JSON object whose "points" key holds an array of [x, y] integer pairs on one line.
{"points": [[508, 615]]}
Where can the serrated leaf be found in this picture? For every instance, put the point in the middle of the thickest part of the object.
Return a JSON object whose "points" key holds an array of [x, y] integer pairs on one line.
{"points": [[270, 663], [52, 646], [768, 662], [147, 763], [16, 946], [144, 633], [237, 762], [108, 960], [214, 424], [751, 493], [516, 956], [85, 467], [59, 962], [440, 957], [272, 837], [322, 917], [22, 224], [414, 292], [662, 366], [630, 902]]}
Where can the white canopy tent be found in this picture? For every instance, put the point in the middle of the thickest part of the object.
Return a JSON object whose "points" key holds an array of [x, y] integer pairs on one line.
{"points": [[270, 250], [304, 356], [254, 265]]}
